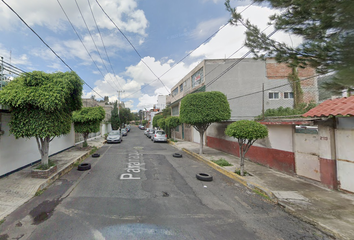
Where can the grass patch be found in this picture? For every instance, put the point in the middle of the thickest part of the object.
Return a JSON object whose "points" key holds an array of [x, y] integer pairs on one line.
{"points": [[93, 150], [263, 195], [238, 171], [2, 221], [46, 166], [173, 140], [222, 162], [39, 192], [76, 163]]}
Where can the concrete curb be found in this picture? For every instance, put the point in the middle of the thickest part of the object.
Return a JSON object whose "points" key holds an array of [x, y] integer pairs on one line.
{"points": [[234, 176], [255, 187], [67, 168]]}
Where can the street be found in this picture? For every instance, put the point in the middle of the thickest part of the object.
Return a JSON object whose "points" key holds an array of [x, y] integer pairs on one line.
{"points": [[138, 190]]}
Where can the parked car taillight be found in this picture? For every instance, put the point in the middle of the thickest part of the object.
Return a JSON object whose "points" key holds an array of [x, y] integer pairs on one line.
{"points": [[166, 135], [155, 135]]}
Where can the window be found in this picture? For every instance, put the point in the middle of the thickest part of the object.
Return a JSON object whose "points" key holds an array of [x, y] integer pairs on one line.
{"points": [[175, 92], [175, 111], [181, 88], [288, 95], [273, 95], [197, 78], [177, 129]]}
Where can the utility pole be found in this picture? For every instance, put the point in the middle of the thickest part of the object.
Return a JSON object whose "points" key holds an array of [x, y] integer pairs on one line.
{"points": [[1, 72], [120, 91]]}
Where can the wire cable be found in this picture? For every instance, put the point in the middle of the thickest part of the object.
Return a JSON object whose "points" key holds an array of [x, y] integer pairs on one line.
{"points": [[99, 54], [141, 59], [104, 46], [46, 44], [300, 80], [77, 34]]}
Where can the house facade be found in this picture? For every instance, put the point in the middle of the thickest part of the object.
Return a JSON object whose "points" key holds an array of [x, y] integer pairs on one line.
{"points": [[251, 87]]}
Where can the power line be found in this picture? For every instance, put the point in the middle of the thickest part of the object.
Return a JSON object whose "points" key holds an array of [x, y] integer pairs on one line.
{"points": [[104, 47], [77, 34], [141, 59], [78, 7], [46, 44], [279, 86], [206, 40]]}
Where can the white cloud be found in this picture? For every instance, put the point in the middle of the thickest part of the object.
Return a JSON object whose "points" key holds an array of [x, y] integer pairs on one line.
{"points": [[231, 38], [48, 13]]}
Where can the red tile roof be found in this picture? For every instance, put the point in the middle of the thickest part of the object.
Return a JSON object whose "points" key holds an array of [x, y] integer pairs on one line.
{"points": [[333, 107]]}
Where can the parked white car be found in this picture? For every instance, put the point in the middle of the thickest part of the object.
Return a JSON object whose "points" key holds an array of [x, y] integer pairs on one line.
{"points": [[159, 136]]}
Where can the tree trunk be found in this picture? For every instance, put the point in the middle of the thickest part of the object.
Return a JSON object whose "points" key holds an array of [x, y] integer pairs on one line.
{"points": [[242, 158], [201, 133], [85, 135], [43, 147]]}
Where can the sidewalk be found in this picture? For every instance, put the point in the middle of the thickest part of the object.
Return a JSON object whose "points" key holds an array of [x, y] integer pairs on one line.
{"points": [[329, 210], [20, 187]]}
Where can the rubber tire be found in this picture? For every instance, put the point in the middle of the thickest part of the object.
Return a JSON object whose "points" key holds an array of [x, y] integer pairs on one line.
{"points": [[204, 177], [95, 155], [177, 155], [84, 166]]}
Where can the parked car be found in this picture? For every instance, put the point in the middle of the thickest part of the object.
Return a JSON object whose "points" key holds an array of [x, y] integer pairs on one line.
{"points": [[128, 128], [146, 131], [150, 132], [124, 132], [160, 136], [141, 127], [114, 137]]}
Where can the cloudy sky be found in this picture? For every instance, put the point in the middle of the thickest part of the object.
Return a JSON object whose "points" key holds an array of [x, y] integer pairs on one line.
{"points": [[125, 45]]}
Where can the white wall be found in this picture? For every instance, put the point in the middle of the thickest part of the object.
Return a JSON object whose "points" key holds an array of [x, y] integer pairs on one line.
{"points": [[345, 158], [16, 153], [281, 137]]}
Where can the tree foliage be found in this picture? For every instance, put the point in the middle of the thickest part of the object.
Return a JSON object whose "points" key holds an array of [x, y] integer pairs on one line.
{"points": [[162, 123], [41, 105], [114, 117], [87, 120], [203, 108], [327, 30], [246, 132], [172, 123], [155, 120]]}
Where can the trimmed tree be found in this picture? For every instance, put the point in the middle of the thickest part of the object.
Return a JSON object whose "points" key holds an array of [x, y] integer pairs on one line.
{"points": [[162, 123], [172, 123], [41, 105], [155, 119], [202, 109], [246, 132], [87, 120]]}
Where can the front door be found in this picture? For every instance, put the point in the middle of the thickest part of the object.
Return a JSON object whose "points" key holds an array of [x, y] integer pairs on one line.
{"points": [[183, 131]]}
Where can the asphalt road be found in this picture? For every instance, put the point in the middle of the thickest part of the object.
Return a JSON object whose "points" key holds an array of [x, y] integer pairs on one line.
{"points": [[138, 190]]}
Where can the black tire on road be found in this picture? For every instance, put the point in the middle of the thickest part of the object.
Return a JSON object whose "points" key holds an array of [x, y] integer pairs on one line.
{"points": [[177, 155], [95, 155], [84, 166], [204, 177]]}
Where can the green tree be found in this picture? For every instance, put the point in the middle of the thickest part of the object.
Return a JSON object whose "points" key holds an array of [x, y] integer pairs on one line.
{"points": [[124, 115], [144, 122], [202, 109], [41, 106], [115, 122], [246, 132], [327, 30], [172, 123], [162, 123], [166, 112], [155, 120], [87, 120]]}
